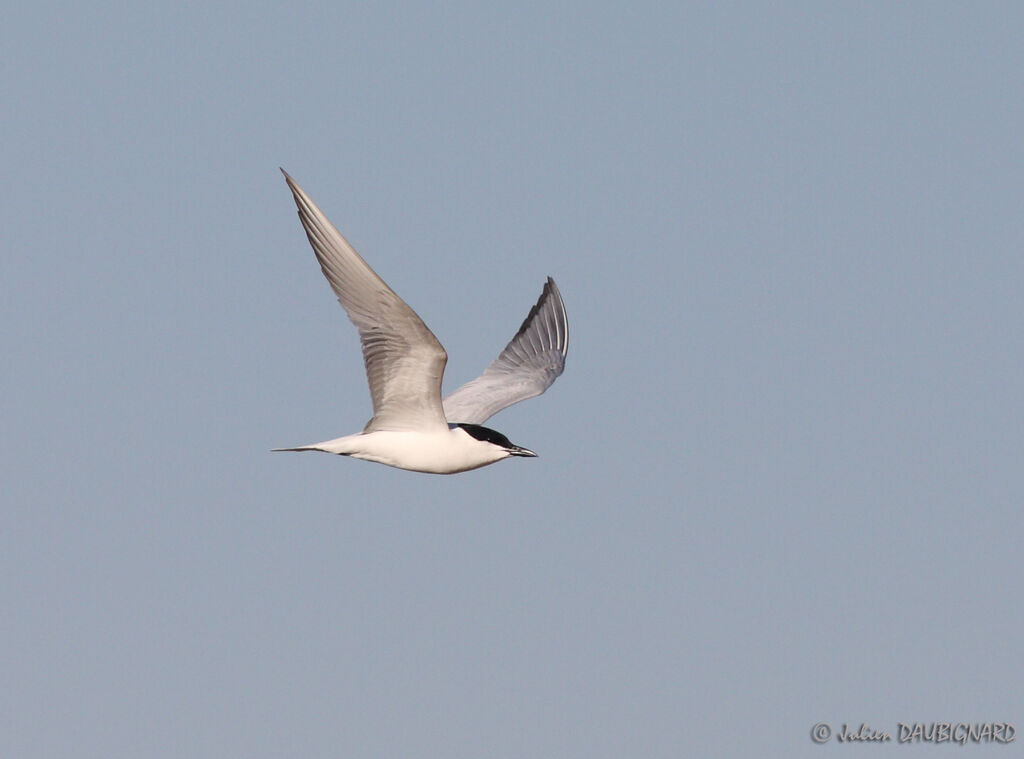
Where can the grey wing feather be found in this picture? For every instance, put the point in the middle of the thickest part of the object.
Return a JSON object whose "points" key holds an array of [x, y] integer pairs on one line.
{"points": [[404, 361], [531, 361]]}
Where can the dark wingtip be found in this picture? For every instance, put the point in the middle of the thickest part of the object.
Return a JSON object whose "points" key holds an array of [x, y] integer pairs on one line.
{"points": [[550, 290]]}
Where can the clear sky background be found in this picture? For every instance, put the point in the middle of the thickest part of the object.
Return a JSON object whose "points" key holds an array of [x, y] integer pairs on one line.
{"points": [[779, 483]]}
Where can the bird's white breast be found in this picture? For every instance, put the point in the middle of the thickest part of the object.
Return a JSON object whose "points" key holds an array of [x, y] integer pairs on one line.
{"points": [[445, 451]]}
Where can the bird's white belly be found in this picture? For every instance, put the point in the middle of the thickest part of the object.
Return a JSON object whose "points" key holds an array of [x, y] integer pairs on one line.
{"points": [[441, 452]]}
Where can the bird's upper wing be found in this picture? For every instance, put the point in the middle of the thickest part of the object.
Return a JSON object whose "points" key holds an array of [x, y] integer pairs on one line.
{"points": [[404, 361], [529, 364]]}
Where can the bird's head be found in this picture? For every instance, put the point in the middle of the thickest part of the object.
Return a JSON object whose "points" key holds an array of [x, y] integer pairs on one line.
{"points": [[494, 438]]}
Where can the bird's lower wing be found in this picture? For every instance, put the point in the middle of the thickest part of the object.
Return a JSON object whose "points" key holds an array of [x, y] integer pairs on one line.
{"points": [[531, 361]]}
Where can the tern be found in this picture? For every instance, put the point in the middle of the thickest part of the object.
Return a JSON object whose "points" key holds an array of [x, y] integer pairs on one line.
{"points": [[412, 427]]}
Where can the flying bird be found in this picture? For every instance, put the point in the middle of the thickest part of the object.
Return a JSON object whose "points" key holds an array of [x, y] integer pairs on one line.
{"points": [[412, 427]]}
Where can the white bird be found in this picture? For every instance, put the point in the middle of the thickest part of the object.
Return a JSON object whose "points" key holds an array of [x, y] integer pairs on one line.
{"points": [[412, 428]]}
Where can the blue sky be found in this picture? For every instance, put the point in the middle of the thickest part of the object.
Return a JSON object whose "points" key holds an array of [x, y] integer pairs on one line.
{"points": [[779, 482]]}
